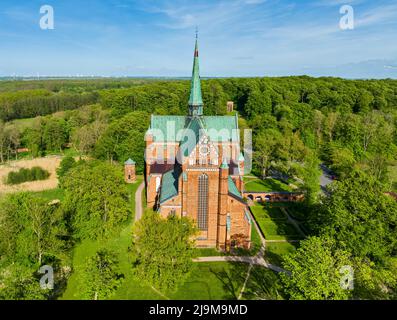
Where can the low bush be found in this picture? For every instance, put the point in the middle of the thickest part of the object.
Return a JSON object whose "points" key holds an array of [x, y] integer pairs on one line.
{"points": [[24, 175]]}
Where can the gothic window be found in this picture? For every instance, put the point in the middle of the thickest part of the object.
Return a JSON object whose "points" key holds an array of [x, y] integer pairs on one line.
{"points": [[202, 217]]}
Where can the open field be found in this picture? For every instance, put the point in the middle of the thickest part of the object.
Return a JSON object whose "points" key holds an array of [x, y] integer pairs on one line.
{"points": [[50, 164]]}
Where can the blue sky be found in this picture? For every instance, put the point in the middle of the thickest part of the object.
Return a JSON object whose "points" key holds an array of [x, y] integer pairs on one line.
{"points": [[237, 38]]}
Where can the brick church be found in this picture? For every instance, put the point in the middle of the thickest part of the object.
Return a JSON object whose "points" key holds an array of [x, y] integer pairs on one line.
{"points": [[194, 168]]}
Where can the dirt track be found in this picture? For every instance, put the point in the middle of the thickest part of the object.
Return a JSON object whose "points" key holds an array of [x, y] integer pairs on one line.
{"points": [[49, 163]]}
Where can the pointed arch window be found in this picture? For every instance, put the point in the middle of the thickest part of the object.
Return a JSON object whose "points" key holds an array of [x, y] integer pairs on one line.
{"points": [[202, 216]]}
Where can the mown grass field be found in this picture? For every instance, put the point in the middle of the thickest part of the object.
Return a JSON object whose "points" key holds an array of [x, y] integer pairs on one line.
{"points": [[276, 251], [213, 281], [274, 224], [263, 284], [253, 184]]}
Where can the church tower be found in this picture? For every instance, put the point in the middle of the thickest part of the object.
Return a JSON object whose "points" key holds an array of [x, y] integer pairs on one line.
{"points": [[196, 100], [200, 184]]}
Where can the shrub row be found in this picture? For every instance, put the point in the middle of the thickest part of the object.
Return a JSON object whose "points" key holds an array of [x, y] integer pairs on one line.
{"points": [[24, 175]]}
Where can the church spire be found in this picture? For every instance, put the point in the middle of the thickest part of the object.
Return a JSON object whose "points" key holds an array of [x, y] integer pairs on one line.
{"points": [[196, 100]]}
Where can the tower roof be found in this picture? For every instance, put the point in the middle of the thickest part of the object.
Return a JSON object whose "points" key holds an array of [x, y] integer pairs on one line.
{"points": [[196, 100], [129, 162], [224, 164]]}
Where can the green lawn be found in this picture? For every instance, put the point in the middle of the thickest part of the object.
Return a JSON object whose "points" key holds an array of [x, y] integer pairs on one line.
{"points": [[275, 251], [263, 284], [213, 281], [53, 194], [252, 184], [209, 252], [256, 242], [131, 288], [274, 224], [268, 213], [297, 211]]}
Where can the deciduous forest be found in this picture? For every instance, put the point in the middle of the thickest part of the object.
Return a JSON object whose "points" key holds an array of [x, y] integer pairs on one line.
{"points": [[298, 123]]}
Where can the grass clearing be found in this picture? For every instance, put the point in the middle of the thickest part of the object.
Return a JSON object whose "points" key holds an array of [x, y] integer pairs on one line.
{"points": [[263, 284], [274, 224], [213, 281], [253, 184], [22, 124], [52, 194], [275, 251]]}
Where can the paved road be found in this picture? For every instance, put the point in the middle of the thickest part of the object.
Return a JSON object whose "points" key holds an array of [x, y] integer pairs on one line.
{"points": [[138, 201], [325, 178]]}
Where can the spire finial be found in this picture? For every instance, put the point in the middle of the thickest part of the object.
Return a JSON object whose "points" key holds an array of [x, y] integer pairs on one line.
{"points": [[196, 100]]}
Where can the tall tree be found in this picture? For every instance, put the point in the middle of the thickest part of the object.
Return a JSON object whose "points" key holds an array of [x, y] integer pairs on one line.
{"points": [[360, 217], [315, 271], [30, 230], [96, 199], [163, 250], [100, 276]]}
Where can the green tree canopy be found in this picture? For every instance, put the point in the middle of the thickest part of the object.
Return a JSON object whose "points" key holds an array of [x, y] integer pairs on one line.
{"points": [[96, 199], [100, 277], [163, 250], [315, 271]]}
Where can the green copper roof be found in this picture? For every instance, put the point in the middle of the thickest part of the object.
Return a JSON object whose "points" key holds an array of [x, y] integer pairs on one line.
{"points": [[169, 184], [233, 189], [166, 128], [241, 157], [221, 128], [190, 140], [171, 128], [129, 162], [196, 100], [224, 164]]}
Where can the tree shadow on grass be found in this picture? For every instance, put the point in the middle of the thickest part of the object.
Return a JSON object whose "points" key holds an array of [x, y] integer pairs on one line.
{"points": [[232, 279], [273, 258], [263, 284]]}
